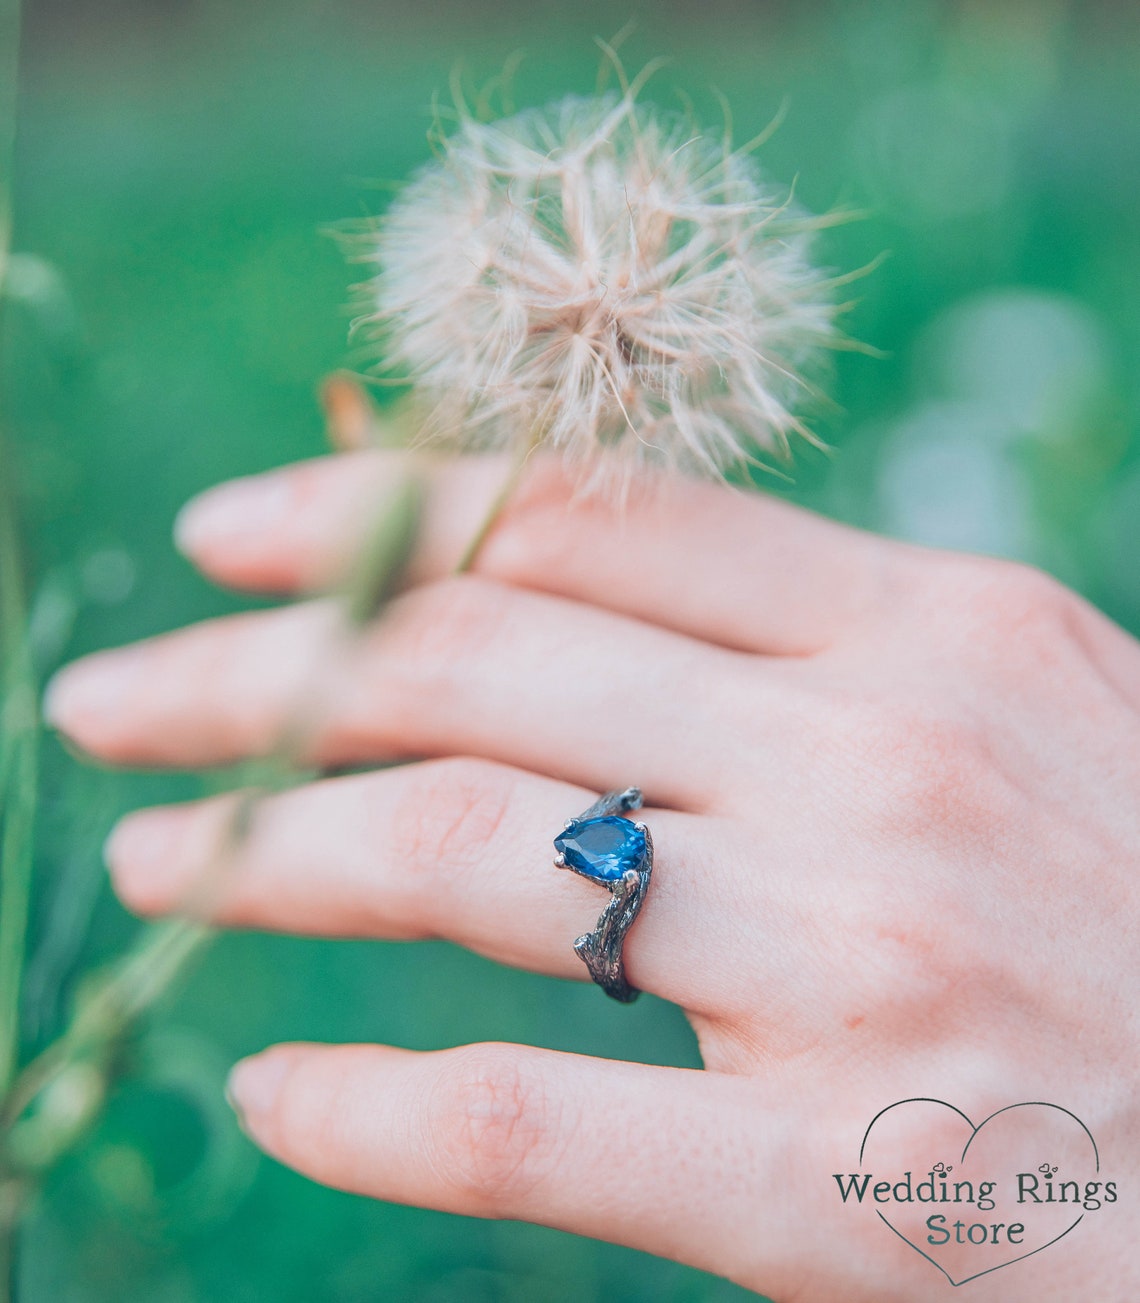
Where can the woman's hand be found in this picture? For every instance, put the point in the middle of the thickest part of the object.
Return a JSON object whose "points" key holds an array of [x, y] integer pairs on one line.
{"points": [[893, 795]]}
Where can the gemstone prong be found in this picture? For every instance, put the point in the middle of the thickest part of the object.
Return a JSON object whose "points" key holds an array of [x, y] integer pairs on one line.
{"points": [[560, 861]]}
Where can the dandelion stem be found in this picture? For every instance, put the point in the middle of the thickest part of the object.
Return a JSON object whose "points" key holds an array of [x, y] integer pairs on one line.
{"points": [[9, 85], [17, 701], [498, 505], [18, 746], [18, 773], [18, 716]]}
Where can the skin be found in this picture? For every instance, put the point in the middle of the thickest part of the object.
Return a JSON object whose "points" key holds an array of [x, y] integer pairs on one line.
{"points": [[912, 774]]}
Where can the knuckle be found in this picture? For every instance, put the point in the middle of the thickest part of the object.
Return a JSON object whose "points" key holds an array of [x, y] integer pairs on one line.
{"points": [[254, 663], [491, 1126], [1013, 612], [900, 959], [451, 819], [923, 778], [418, 663], [1022, 593], [913, 958], [449, 825], [926, 971], [446, 620], [925, 772]]}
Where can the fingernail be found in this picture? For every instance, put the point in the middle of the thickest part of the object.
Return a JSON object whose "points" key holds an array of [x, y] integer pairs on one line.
{"points": [[253, 1086], [231, 511], [90, 690]]}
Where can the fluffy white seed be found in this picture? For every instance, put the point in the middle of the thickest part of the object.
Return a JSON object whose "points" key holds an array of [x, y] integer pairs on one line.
{"points": [[598, 277]]}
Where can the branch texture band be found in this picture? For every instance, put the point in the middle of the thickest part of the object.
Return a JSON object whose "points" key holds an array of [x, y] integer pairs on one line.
{"points": [[602, 845]]}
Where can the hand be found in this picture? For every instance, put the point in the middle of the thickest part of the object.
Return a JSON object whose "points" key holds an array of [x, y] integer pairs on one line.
{"points": [[893, 794]]}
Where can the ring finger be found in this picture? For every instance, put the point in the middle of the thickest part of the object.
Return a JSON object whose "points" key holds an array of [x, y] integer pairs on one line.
{"points": [[459, 849]]}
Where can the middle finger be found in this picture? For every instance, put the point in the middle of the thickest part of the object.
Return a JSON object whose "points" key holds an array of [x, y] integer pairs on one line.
{"points": [[462, 666]]}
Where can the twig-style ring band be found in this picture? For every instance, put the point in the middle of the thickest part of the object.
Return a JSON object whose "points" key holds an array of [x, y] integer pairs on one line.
{"points": [[618, 854]]}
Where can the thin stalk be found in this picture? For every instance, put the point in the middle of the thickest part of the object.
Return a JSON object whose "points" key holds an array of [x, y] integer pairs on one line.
{"points": [[18, 726], [163, 952], [17, 710], [19, 746], [9, 85], [142, 976], [498, 505], [113, 1002], [18, 717], [19, 801], [11, 1205], [9, 79]]}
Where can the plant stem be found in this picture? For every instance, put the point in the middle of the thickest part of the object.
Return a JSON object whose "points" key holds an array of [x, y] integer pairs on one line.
{"points": [[18, 716], [498, 505], [18, 746], [11, 1204], [136, 981], [9, 85], [161, 953], [17, 699]]}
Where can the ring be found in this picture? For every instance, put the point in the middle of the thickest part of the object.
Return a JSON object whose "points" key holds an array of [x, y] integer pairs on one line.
{"points": [[618, 854]]}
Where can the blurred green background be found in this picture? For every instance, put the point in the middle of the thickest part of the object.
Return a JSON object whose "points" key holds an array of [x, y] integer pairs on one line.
{"points": [[172, 308]]}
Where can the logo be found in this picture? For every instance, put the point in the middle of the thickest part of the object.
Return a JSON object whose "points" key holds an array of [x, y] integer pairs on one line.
{"points": [[970, 1197]]}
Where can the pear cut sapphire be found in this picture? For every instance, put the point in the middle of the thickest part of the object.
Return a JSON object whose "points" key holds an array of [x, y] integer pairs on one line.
{"points": [[602, 849]]}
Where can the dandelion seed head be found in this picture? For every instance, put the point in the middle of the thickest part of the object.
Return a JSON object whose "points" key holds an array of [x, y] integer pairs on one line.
{"points": [[599, 277]]}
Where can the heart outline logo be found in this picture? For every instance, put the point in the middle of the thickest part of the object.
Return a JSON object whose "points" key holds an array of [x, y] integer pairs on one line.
{"points": [[974, 1130]]}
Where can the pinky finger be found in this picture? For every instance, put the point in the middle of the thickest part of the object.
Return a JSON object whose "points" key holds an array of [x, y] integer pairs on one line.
{"points": [[645, 1156]]}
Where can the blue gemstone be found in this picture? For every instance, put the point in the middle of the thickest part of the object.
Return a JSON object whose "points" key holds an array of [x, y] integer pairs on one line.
{"points": [[602, 848]]}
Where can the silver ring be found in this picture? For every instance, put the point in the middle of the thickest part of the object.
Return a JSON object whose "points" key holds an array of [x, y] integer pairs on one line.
{"points": [[617, 853]]}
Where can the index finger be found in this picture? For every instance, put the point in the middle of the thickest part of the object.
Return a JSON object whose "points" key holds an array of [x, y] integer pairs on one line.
{"points": [[745, 570]]}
